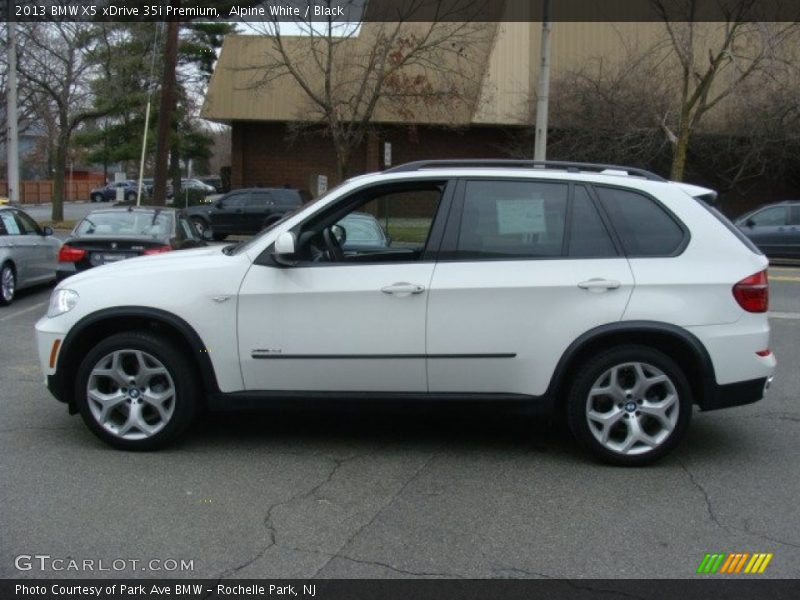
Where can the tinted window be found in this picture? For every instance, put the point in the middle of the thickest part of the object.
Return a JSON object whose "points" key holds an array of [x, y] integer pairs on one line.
{"points": [[588, 236], [643, 226], [259, 199], [512, 219], [287, 197], [235, 201], [770, 217], [7, 218], [794, 219], [26, 224]]}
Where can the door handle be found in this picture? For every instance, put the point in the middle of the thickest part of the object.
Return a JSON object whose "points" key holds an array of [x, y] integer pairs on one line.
{"points": [[597, 284], [403, 289]]}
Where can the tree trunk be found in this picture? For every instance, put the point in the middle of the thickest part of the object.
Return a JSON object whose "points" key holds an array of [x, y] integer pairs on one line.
{"points": [[166, 109], [62, 147], [681, 147], [175, 173]]}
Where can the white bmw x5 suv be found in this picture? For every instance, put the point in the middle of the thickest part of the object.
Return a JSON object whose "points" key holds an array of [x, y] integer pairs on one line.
{"points": [[604, 294]]}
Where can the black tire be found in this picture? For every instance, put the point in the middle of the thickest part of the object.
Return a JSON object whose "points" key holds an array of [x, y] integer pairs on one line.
{"points": [[7, 294], [218, 237], [200, 225], [652, 361], [180, 371], [97, 198]]}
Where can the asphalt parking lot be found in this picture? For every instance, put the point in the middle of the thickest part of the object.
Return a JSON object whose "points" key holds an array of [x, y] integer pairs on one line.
{"points": [[388, 493]]}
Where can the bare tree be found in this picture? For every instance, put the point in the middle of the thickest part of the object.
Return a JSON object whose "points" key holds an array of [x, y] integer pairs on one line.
{"points": [[715, 59], [348, 73], [58, 63]]}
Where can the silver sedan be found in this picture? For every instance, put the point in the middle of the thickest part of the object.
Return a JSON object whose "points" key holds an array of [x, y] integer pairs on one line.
{"points": [[28, 253]]}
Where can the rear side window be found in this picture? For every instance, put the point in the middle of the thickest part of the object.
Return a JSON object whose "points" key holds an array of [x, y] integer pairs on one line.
{"points": [[512, 219], [588, 236], [259, 199], [643, 226], [775, 216], [287, 197], [794, 218]]}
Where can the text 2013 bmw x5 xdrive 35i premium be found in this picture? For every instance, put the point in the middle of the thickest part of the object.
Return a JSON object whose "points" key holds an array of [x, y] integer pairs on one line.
{"points": [[608, 294]]}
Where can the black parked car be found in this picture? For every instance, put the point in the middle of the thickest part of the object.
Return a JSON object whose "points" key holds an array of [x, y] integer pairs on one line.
{"points": [[774, 228], [113, 234], [109, 192], [244, 212]]}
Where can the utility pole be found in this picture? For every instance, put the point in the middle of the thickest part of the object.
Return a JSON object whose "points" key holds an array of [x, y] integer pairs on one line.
{"points": [[543, 92], [12, 145], [167, 107]]}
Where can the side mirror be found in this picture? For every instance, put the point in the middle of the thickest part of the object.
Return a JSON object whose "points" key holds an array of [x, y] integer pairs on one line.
{"points": [[285, 248], [47, 230]]}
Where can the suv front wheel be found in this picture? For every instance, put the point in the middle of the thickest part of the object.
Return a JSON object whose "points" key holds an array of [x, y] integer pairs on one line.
{"points": [[629, 405], [136, 391]]}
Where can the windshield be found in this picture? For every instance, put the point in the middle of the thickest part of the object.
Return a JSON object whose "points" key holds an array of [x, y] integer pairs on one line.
{"points": [[147, 223]]}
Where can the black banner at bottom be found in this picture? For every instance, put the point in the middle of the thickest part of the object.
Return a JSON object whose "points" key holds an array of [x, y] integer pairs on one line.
{"points": [[399, 589]]}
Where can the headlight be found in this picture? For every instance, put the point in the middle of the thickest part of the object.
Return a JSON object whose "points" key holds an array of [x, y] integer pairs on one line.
{"points": [[62, 301]]}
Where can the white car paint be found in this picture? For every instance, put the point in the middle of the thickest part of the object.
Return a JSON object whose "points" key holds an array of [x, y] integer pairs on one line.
{"points": [[533, 309]]}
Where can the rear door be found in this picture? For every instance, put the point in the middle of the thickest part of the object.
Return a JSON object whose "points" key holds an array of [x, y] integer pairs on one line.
{"points": [[793, 234], [526, 267], [22, 248], [43, 252], [258, 206], [228, 218]]}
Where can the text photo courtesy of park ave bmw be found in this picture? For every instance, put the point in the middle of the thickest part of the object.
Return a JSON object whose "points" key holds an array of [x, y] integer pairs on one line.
{"points": [[399, 299]]}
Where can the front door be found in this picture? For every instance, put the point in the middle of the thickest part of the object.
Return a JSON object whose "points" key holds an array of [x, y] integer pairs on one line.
{"points": [[337, 322]]}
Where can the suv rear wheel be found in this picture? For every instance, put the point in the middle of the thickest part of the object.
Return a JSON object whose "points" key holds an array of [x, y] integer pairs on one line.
{"points": [[136, 391], [630, 405]]}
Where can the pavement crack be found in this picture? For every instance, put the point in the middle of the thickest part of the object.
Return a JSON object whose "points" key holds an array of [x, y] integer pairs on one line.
{"points": [[509, 572], [398, 569], [378, 512], [269, 525], [713, 516]]}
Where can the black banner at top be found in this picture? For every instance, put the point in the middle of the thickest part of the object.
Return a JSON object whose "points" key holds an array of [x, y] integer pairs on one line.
{"points": [[400, 10]]}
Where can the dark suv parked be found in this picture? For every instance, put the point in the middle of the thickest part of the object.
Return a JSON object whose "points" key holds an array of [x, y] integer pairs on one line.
{"points": [[244, 212]]}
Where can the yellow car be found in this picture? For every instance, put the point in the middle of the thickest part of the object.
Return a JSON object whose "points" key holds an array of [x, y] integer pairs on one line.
{"points": [[3, 200]]}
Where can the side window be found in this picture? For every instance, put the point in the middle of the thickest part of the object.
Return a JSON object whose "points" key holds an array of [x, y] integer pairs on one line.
{"points": [[189, 232], [794, 219], [588, 236], [644, 227], [770, 217], [26, 225], [10, 223], [258, 199], [512, 219], [387, 223], [235, 201]]}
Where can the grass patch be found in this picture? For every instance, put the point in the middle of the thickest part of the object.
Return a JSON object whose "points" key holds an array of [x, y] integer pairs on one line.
{"points": [[66, 224], [408, 230]]}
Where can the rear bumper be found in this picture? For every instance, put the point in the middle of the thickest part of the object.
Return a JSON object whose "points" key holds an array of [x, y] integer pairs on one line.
{"points": [[736, 394]]}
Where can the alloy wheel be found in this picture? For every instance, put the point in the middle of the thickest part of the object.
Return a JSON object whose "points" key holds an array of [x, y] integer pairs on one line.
{"points": [[632, 408], [8, 284], [131, 394]]}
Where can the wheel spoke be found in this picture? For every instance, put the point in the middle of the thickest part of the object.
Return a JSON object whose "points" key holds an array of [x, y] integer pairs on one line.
{"points": [[606, 420], [135, 403], [645, 401]]}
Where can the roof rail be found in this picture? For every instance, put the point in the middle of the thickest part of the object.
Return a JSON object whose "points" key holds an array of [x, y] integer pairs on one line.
{"points": [[572, 167]]}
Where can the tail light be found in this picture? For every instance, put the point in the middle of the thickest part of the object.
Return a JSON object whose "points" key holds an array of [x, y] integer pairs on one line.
{"points": [[70, 254], [752, 293], [157, 250]]}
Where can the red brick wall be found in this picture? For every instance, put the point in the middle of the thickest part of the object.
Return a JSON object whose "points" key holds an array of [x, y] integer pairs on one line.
{"points": [[266, 154]]}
